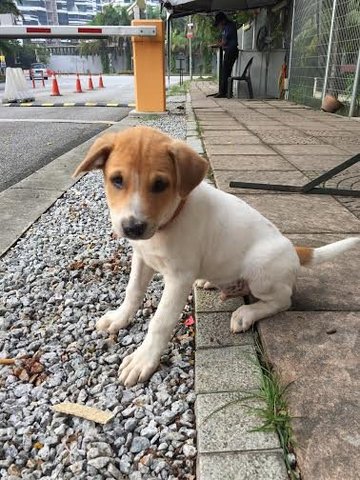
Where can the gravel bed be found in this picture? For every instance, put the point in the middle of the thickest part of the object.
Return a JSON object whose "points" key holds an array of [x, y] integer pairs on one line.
{"points": [[55, 283]]}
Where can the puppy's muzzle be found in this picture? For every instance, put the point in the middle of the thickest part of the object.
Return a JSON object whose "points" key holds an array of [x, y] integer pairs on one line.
{"points": [[134, 228]]}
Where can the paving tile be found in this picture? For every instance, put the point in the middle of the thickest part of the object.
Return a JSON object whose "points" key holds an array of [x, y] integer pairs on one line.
{"points": [[213, 134], [292, 177], [330, 286], [316, 162], [213, 330], [226, 423], [226, 369], [351, 149], [251, 162], [257, 122], [308, 150], [327, 423], [240, 150], [220, 128], [295, 213], [218, 123], [244, 139], [289, 139], [241, 466], [209, 301]]}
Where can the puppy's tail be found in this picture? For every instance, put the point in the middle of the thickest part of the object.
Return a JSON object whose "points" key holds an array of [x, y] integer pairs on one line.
{"points": [[314, 256]]}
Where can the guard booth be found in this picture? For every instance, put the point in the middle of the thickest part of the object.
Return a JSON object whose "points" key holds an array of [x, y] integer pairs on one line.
{"points": [[148, 38]]}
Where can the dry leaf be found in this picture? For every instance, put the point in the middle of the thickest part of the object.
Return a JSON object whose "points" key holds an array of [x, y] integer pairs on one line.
{"points": [[89, 413]]}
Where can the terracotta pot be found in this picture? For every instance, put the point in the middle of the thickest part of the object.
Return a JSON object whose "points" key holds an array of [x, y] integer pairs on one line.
{"points": [[331, 104]]}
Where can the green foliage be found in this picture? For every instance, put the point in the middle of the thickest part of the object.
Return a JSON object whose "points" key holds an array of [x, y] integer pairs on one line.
{"points": [[268, 403], [205, 34], [179, 89], [9, 6], [103, 47], [23, 55]]}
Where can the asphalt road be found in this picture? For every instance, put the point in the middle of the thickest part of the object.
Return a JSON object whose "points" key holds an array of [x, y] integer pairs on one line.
{"points": [[31, 137]]}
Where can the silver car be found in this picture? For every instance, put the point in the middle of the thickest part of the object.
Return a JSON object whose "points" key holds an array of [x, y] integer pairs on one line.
{"points": [[38, 70]]}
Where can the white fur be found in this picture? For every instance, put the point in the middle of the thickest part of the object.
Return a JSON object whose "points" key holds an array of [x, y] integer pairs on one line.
{"points": [[216, 237], [328, 252]]}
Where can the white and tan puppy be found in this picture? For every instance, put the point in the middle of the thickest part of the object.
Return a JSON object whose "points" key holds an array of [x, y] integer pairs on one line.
{"points": [[185, 229]]}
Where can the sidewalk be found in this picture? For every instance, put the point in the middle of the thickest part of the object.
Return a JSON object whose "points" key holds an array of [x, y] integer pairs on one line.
{"points": [[316, 345]]}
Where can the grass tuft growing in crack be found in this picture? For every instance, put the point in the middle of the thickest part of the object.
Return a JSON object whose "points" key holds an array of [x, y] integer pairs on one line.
{"points": [[274, 412], [270, 406]]}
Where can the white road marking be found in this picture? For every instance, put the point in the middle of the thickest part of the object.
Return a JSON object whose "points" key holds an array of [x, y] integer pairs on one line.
{"points": [[56, 120]]}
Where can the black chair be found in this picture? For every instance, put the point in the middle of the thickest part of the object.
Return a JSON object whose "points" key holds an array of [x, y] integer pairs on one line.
{"points": [[245, 77]]}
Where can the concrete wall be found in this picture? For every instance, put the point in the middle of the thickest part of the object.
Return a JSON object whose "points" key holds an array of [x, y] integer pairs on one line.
{"points": [[77, 64], [258, 72]]}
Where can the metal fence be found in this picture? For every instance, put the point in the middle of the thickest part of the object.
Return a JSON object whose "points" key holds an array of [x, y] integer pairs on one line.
{"points": [[325, 53]]}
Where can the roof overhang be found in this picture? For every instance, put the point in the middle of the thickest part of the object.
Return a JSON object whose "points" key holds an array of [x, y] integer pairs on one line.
{"points": [[181, 8]]}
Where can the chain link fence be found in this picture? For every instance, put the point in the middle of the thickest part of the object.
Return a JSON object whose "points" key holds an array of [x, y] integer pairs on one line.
{"points": [[325, 54]]}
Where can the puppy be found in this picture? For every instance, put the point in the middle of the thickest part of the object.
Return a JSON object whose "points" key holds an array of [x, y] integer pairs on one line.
{"points": [[186, 229]]}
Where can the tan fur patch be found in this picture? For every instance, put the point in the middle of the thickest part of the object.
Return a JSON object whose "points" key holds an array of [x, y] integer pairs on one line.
{"points": [[305, 255], [140, 160], [140, 157]]}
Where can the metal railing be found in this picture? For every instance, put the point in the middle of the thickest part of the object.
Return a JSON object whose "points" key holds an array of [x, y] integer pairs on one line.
{"points": [[325, 53]]}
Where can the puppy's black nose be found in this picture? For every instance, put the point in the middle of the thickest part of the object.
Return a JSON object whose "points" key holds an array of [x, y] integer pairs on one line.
{"points": [[133, 228]]}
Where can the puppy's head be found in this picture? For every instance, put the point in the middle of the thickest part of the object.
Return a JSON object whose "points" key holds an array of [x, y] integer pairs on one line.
{"points": [[146, 174]]}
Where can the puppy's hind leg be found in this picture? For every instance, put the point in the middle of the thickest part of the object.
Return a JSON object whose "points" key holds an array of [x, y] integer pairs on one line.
{"points": [[140, 276], [275, 300]]}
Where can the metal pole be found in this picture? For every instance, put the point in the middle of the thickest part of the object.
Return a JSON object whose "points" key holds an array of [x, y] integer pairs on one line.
{"points": [[190, 54], [331, 36], [291, 48], [168, 34], [355, 87]]}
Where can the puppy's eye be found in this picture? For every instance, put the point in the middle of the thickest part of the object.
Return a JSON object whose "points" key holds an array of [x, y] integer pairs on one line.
{"points": [[118, 181], [159, 186]]}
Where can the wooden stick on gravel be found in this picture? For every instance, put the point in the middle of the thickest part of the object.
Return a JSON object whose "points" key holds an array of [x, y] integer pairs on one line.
{"points": [[7, 361]]}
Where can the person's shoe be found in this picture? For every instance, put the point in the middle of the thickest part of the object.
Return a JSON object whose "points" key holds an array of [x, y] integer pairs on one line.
{"points": [[219, 95]]}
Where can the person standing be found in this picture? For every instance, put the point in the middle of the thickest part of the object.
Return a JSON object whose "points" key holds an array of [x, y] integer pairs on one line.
{"points": [[229, 43]]}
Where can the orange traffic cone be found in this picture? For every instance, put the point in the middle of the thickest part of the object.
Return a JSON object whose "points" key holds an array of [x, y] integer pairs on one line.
{"points": [[78, 88], [90, 83], [55, 92], [101, 83]]}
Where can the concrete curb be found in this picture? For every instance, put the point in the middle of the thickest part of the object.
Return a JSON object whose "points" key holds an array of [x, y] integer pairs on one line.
{"points": [[22, 204]]}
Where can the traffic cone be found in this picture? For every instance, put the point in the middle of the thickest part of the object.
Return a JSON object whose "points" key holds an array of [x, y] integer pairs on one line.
{"points": [[78, 88], [101, 83], [90, 83], [55, 92]]}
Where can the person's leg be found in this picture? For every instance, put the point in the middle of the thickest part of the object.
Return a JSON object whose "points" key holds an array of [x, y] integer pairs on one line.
{"points": [[232, 59], [229, 60]]}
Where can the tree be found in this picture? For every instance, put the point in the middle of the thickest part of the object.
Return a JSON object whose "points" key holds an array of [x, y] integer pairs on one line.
{"points": [[103, 47], [7, 47], [9, 6], [204, 35]]}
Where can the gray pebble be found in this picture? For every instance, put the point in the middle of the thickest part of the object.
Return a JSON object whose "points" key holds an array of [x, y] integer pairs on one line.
{"points": [[139, 444]]}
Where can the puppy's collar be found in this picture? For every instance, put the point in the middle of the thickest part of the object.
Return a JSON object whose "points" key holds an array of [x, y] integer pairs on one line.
{"points": [[175, 214]]}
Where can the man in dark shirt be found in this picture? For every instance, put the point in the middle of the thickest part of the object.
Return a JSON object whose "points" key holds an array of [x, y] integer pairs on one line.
{"points": [[229, 43]]}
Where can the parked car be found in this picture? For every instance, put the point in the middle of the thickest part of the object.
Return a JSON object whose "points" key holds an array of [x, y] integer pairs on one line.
{"points": [[38, 70]]}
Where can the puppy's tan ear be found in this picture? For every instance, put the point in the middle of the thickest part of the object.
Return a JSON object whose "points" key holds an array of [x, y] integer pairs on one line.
{"points": [[97, 155], [190, 167]]}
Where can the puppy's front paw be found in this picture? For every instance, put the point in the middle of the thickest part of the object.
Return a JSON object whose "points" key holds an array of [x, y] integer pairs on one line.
{"points": [[113, 321], [138, 366], [241, 319], [201, 283]]}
